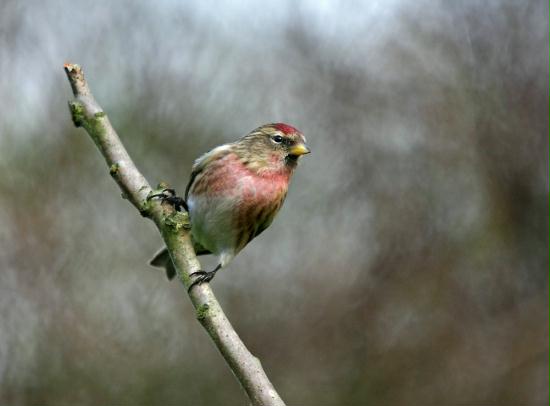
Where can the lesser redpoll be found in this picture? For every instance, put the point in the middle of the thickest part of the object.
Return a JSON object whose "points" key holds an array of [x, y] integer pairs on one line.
{"points": [[235, 191]]}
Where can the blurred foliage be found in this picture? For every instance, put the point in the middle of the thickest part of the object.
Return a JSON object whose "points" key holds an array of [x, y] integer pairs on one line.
{"points": [[409, 264]]}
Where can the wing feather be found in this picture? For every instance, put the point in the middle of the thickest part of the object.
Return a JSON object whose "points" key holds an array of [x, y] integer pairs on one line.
{"points": [[202, 162]]}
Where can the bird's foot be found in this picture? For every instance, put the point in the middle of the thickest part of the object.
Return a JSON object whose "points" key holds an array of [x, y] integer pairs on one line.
{"points": [[169, 195], [202, 276]]}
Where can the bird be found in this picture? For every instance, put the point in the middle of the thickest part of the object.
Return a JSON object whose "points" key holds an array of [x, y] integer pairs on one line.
{"points": [[234, 193]]}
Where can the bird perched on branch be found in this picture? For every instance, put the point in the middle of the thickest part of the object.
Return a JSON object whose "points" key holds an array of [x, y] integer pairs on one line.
{"points": [[234, 193]]}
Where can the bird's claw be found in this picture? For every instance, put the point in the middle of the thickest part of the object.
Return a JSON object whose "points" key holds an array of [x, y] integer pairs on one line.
{"points": [[201, 277], [169, 195]]}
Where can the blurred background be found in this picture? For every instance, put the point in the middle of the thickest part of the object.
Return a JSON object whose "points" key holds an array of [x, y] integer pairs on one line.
{"points": [[409, 264]]}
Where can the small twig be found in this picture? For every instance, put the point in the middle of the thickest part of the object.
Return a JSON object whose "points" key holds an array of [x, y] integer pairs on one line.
{"points": [[174, 228]]}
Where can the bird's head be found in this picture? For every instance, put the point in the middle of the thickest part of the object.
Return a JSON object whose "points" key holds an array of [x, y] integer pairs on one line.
{"points": [[275, 147]]}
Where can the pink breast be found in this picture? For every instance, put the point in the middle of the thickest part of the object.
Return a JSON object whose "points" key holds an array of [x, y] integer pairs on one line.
{"points": [[261, 189], [231, 178]]}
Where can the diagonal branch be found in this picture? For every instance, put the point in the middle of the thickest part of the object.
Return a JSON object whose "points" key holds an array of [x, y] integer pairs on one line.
{"points": [[174, 228]]}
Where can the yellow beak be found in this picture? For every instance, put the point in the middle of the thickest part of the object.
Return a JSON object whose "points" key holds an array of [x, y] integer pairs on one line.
{"points": [[299, 149]]}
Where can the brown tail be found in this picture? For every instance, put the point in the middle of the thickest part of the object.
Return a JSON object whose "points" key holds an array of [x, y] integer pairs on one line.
{"points": [[162, 260]]}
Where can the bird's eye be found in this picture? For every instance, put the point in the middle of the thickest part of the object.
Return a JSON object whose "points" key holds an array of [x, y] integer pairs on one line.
{"points": [[277, 139]]}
